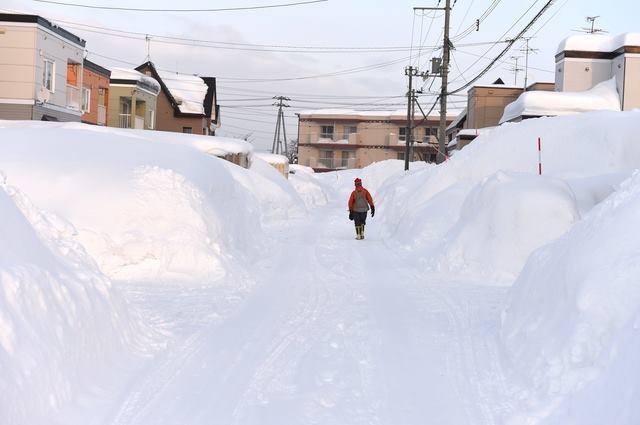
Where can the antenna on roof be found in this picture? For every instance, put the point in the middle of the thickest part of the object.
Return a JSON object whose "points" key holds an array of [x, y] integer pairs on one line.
{"points": [[592, 29], [148, 40]]}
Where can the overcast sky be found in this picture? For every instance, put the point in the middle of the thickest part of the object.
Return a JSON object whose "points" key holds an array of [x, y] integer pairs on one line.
{"points": [[367, 45]]}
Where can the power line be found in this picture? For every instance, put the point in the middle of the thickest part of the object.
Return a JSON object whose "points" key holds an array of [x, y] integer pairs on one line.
{"points": [[130, 9], [506, 49]]}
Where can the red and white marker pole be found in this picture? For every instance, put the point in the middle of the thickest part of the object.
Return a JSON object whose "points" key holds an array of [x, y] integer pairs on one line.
{"points": [[539, 157]]}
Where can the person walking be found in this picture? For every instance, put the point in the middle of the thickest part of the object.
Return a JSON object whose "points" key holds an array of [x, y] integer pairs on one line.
{"points": [[359, 203]]}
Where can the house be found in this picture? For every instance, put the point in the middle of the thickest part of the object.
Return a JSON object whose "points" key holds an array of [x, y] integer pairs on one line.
{"points": [[186, 103], [132, 100], [485, 107], [43, 79], [95, 93], [583, 61], [594, 72], [339, 139]]}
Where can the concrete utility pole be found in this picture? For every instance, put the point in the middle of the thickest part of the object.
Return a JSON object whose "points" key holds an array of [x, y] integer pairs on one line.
{"points": [[515, 70], [442, 146], [444, 74], [277, 141], [411, 72]]}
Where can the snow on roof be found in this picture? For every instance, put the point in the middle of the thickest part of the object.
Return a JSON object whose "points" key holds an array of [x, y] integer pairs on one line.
{"points": [[221, 146], [397, 114], [188, 90], [598, 42], [271, 158], [602, 97], [133, 75]]}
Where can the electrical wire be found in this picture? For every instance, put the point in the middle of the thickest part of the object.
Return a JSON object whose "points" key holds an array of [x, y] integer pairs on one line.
{"points": [[130, 9]]}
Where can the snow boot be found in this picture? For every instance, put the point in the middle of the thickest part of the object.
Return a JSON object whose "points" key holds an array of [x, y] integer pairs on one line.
{"points": [[360, 231], [357, 231]]}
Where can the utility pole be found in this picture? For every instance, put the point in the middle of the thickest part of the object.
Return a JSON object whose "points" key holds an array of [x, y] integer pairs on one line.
{"points": [[444, 74], [442, 147], [526, 51], [411, 72], [277, 141], [515, 70]]}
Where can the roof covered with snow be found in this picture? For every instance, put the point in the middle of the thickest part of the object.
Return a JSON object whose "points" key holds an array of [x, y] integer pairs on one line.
{"points": [[602, 97], [188, 91], [134, 76], [598, 42], [271, 158]]}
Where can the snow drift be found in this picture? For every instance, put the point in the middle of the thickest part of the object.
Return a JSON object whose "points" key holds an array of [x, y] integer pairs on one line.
{"points": [[61, 320]]}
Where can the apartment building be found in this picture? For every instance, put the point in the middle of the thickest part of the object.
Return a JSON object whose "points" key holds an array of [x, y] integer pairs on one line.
{"points": [[43, 79], [340, 139]]}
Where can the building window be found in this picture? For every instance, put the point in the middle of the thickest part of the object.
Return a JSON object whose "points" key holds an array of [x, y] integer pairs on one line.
{"points": [[326, 159], [86, 99], [72, 74], [348, 159], [400, 156], [326, 132], [187, 130], [433, 157], [48, 75], [430, 134], [348, 130], [402, 134]]}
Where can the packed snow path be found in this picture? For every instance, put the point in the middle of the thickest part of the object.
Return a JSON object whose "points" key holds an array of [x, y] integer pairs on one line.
{"points": [[325, 330]]}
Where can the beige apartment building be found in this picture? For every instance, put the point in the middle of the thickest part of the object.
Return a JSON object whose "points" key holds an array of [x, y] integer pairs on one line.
{"points": [[340, 139], [41, 71]]}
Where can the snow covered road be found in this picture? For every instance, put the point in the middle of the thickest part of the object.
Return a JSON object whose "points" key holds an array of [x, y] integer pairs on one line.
{"points": [[332, 331]]}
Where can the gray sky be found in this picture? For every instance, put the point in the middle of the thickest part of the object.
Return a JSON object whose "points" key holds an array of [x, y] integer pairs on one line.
{"points": [[353, 71]]}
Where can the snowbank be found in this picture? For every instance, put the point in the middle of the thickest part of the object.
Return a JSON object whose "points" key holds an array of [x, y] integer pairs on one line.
{"points": [[145, 206], [571, 327], [62, 324], [435, 213]]}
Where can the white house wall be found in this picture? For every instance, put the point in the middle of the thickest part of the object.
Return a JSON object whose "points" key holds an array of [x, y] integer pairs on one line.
{"points": [[51, 46], [576, 74], [631, 97]]}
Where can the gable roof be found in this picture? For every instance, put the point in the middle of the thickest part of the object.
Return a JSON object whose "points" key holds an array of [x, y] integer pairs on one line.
{"points": [[188, 95]]}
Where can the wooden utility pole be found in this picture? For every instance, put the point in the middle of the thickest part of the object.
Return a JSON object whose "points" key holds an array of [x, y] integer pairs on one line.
{"points": [[277, 141], [410, 72]]}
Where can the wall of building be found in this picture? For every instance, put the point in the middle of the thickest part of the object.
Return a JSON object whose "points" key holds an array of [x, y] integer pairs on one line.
{"points": [[167, 121], [12, 111], [18, 76], [631, 98], [486, 105], [578, 74], [94, 82]]}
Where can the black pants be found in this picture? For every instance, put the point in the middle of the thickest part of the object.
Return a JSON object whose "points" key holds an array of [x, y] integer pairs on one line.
{"points": [[359, 217]]}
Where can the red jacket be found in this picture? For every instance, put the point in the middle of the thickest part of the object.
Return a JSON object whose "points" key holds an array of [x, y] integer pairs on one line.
{"points": [[367, 197]]}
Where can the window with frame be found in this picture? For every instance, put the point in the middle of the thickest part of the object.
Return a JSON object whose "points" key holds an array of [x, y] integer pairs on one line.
{"points": [[348, 130], [347, 158], [48, 75], [187, 130], [86, 99], [326, 132], [326, 158], [430, 134]]}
